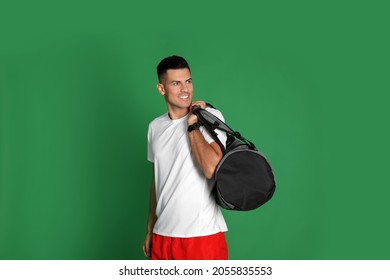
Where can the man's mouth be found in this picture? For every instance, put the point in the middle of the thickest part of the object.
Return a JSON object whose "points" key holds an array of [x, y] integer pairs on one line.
{"points": [[183, 96]]}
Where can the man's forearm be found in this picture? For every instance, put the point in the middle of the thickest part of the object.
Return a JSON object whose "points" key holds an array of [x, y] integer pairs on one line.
{"points": [[152, 206], [206, 155]]}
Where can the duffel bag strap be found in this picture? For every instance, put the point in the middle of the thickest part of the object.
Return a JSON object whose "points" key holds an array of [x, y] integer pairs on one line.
{"points": [[211, 122]]}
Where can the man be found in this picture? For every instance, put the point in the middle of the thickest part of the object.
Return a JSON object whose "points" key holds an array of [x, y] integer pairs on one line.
{"points": [[184, 221]]}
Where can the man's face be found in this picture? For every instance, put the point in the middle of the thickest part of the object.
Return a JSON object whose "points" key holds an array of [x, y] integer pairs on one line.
{"points": [[177, 89]]}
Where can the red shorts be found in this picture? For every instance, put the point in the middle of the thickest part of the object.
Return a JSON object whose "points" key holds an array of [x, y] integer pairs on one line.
{"points": [[211, 247]]}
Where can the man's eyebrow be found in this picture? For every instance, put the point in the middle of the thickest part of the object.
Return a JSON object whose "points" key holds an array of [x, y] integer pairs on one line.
{"points": [[178, 81]]}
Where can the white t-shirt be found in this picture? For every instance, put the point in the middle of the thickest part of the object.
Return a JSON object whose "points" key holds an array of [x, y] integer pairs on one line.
{"points": [[185, 205]]}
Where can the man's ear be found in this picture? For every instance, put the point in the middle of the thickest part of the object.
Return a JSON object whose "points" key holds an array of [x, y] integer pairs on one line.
{"points": [[161, 89]]}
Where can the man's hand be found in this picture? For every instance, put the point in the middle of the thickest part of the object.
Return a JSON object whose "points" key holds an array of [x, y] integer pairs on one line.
{"points": [[146, 247], [193, 118]]}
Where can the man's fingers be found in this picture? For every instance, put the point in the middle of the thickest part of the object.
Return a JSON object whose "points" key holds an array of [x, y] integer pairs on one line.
{"points": [[146, 251], [201, 104]]}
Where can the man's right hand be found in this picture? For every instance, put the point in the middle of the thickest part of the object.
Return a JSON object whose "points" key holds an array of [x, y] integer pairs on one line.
{"points": [[147, 246]]}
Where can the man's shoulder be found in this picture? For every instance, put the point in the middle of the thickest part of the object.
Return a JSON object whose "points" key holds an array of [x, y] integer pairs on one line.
{"points": [[215, 112], [158, 120]]}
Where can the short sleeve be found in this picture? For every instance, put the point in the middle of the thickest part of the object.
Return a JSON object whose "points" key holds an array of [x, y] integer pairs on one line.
{"points": [[221, 134]]}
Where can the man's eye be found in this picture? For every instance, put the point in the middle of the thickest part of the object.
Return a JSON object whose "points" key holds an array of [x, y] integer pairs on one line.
{"points": [[189, 82]]}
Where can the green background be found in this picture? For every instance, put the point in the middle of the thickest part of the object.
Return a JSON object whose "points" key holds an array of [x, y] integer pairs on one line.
{"points": [[306, 81]]}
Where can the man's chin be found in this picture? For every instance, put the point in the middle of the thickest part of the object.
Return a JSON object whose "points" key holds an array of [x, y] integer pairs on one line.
{"points": [[185, 103]]}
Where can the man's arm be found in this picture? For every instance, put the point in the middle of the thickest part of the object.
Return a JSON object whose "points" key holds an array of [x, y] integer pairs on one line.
{"points": [[206, 155], [147, 245]]}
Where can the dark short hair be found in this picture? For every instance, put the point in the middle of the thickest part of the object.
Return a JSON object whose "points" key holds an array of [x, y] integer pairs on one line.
{"points": [[171, 62]]}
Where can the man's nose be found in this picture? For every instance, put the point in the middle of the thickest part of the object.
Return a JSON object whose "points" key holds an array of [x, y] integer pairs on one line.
{"points": [[184, 87]]}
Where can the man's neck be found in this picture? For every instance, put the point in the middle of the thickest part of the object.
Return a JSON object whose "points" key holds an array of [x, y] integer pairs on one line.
{"points": [[177, 113]]}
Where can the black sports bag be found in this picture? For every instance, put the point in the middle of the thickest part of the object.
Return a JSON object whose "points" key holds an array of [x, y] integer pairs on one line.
{"points": [[244, 179]]}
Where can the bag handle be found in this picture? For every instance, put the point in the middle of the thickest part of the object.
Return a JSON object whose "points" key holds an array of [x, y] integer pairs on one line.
{"points": [[211, 123]]}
